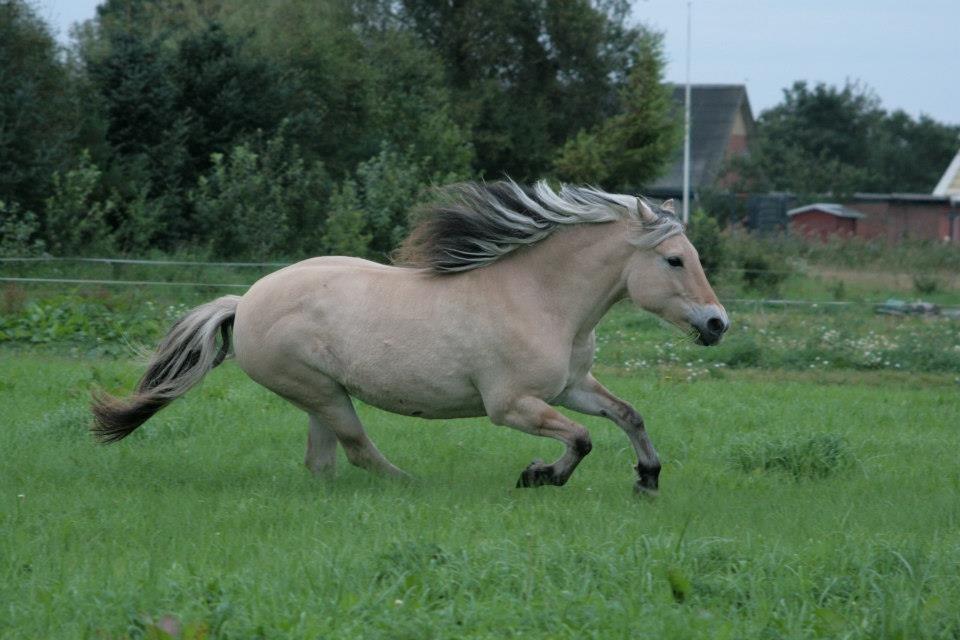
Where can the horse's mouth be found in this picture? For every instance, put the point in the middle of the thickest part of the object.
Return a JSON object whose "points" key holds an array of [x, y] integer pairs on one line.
{"points": [[707, 338], [709, 331]]}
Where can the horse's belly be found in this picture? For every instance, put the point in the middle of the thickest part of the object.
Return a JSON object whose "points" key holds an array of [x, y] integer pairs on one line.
{"points": [[407, 405], [410, 368], [413, 393]]}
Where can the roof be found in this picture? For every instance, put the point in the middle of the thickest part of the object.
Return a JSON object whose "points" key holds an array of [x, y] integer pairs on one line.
{"points": [[832, 208], [713, 110], [949, 184], [900, 197]]}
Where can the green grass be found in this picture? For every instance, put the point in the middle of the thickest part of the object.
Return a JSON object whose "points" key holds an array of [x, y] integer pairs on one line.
{"points": [[206, 519]]}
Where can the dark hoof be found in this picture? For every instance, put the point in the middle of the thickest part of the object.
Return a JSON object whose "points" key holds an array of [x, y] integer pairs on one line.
{"points": [[644, 491], [648, 482], [537, 474]]}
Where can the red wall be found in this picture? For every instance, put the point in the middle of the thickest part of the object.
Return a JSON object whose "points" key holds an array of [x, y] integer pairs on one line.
{"points": [[821, 225], [894, 221], [888, 220]]}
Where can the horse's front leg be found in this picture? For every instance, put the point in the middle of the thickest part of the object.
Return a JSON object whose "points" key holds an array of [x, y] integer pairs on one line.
{"points": [[590, 397], [533, 415]]}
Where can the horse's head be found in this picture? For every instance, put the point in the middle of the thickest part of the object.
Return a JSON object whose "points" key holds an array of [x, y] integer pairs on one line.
{"points": [[667, 279]]}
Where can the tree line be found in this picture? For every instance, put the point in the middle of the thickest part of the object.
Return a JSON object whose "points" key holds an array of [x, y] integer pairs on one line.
{"points": [[241, 128], [247, 129], [823, 139]]}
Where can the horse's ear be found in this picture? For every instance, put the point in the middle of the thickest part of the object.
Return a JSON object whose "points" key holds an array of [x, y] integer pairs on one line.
{"points": [[669, 206], [646, 213]]}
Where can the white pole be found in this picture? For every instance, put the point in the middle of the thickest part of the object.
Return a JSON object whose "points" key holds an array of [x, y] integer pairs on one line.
{"points": [[686, 131]]}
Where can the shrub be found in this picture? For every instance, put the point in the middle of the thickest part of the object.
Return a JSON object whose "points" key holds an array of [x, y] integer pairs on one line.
{"points": [[18, 232], [925, 283], [140, 221], [75, 219], [763, 270], [343, 234], [704, 232], [255, 205], [389, 186], [741, 352]]}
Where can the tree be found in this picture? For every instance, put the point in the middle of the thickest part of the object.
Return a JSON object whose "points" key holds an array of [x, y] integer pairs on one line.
{"points": [[344, 232], [39, 110], [525, 74], [829, 140], [75, 217], [409, 107], [261, 200], [631, 147], [910, 155], [171, 105]]}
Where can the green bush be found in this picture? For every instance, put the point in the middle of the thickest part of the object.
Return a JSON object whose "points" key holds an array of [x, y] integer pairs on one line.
{"points": [[98, 325], [18, 232], [344, 232], [762, 264], [740, 352], [389, 186], [261, 204], [75, 218], [925, 283], [705, 234]]}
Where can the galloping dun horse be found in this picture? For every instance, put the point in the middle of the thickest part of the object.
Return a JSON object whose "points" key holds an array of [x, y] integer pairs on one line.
{"points": [[492, 313]]}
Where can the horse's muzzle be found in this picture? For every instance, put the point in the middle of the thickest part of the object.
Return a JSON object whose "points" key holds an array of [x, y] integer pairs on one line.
{"points": [[711, 331]]}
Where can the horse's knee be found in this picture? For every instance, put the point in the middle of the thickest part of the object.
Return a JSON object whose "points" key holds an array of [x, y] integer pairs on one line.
{"points": [[581, 443], [356, 450], [635, 420]]}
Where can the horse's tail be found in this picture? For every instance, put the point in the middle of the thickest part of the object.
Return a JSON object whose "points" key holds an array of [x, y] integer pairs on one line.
{"points": [[187, 353]]}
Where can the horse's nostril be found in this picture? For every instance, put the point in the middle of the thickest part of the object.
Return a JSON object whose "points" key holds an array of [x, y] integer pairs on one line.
{"points": [[716, 325]]}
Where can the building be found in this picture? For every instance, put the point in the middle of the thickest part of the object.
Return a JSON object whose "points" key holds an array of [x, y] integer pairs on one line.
{"points": [[949, 184], [721, 127], [891, 217], [822, 220]]}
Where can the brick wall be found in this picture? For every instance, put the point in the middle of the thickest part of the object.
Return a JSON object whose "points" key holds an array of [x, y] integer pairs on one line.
{"points": [[895, 220]]}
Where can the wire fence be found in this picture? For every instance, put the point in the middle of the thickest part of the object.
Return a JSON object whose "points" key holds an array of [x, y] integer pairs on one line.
{"points": [[122, 282], [147, 283], [171, 263], [194, 263]]}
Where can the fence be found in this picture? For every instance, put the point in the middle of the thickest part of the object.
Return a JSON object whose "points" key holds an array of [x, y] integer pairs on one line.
{"points": [[118, 264]]}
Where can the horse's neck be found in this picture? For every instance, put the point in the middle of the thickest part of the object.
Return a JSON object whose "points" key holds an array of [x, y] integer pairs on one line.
{"points": [[575, 275]]}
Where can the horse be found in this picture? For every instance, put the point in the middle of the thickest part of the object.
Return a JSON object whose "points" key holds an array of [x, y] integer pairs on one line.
{"points": [[489, 310]]}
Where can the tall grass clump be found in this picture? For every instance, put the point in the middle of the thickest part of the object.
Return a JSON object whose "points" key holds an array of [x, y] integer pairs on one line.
{"points": [[803, 457]]}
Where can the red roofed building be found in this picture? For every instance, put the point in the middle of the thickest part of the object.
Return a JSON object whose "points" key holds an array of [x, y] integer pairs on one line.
{"points": [[822, 220]]}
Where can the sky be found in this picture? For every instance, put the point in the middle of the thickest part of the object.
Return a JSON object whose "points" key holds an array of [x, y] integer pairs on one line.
{"points": [[908, 53]]}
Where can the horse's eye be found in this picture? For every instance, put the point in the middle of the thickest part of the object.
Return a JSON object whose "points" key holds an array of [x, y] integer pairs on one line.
{"points": [[675, 261]]}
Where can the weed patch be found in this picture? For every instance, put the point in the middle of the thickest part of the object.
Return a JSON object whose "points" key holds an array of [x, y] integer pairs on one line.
{"points": [[807, 457]]}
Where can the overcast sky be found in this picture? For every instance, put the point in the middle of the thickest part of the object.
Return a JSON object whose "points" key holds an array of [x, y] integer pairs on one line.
{"points": [[907, 52]]}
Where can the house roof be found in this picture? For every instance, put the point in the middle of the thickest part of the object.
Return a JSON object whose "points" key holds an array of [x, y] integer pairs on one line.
{"points": [[713, 111], [949, 184], [832, 208]]}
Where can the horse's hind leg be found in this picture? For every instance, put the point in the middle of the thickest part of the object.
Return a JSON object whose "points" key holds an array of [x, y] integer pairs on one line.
{"points": [[321, 447], [338, 415]]}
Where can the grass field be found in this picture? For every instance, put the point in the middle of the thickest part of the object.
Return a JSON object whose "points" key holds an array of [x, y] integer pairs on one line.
{"points": [[795, 505]]}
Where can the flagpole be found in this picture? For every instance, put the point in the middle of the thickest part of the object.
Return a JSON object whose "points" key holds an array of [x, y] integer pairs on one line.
{"points": [[686, 130]]}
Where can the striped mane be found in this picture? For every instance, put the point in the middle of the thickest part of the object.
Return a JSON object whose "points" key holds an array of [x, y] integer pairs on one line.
{"points": [[470, 225]]}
